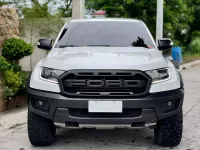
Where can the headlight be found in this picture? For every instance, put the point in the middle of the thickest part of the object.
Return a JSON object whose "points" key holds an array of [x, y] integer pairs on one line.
{"points": [[159, 75], [51, 75]]}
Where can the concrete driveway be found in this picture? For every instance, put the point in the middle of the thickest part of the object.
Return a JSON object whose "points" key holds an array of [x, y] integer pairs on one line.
{"points": [[16, 137]]}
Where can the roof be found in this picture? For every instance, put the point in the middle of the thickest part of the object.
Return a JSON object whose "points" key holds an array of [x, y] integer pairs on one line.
{"points": [[106, 19]]}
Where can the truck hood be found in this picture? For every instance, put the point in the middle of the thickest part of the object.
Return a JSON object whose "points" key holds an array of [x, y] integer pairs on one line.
{"points": [[130, 58]]}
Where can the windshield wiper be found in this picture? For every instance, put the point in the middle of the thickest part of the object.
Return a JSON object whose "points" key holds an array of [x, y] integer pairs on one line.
{"points": [[63, 46], [99, 45], [141, 46]]}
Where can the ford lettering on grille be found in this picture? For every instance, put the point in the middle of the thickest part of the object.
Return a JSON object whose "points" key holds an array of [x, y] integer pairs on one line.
{"points": [[104, 83]]}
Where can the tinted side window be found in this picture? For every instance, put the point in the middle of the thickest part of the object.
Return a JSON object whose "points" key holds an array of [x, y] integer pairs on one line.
{"points": [[99, 33]]}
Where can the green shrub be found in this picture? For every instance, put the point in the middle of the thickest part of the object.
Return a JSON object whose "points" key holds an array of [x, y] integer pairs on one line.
{"points": [[12, 81], [195, 34], [15, 49], [195, 46], [4, 65], [23, 77], [15, 67], [7, 92]]}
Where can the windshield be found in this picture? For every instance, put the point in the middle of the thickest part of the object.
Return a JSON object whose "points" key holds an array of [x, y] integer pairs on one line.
{"points": [[104, 33]]}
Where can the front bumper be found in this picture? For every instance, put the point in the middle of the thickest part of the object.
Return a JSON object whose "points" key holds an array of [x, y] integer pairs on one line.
{"points": [[151, 108]]}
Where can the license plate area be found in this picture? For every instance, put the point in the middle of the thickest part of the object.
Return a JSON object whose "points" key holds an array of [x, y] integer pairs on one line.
{"points": [[105, 106]]}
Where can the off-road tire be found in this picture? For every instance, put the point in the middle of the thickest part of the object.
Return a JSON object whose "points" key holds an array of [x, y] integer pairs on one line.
{"points": [[41, 131], [168, 132]]}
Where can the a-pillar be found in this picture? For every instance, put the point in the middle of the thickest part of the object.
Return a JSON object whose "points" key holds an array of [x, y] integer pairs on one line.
{"points": [[78, 9]]}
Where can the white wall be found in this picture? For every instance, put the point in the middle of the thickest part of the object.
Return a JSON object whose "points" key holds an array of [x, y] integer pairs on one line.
{"points": [[33, 29]]}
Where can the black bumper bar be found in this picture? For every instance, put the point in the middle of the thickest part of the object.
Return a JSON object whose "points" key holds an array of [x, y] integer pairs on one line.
{"points": [[151, 107]]}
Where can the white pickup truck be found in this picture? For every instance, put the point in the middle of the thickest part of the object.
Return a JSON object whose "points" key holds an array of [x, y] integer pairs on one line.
{"points": [[105, 73]]}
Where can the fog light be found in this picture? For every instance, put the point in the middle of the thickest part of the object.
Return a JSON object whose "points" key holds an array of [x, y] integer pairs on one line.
{"points": [[169, 104], [40, 103]]}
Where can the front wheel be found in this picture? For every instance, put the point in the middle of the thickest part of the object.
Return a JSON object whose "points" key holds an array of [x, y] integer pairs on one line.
{"points": [[41, 131], [168, 132]]}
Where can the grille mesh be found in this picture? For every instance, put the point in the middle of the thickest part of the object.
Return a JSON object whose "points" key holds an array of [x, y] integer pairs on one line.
{"points": [[104, 83]]}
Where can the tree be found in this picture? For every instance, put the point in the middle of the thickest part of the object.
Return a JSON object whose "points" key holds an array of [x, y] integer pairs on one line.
{"points": [[194, 30], [65, 9], [37, 10], [3, 3], [177, 14], [15, 3]]}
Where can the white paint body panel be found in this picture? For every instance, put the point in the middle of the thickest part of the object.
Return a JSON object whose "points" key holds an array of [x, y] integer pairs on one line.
{"points": [[129, 58], [37, 83]]}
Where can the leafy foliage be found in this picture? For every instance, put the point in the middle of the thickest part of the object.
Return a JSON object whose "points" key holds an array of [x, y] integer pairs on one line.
{"points": [[8, 92], [195, 45], [4, 65], [23, 77], [65, 10], [14, 49], [43, 10], [177, 14], [38, 10], [15, 67], [12, 81], [194, 25], [3, 3]]}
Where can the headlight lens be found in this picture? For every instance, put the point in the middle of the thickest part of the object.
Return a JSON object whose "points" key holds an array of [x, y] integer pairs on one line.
{"points": [[159, 75], [51, 75]]}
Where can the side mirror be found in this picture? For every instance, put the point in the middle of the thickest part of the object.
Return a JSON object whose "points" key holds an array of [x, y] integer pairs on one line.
{"points": [[45, 44], [165, 44]]}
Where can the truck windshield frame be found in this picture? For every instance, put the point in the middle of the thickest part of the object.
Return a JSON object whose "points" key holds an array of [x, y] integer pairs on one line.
{"points": [[105, 33]]}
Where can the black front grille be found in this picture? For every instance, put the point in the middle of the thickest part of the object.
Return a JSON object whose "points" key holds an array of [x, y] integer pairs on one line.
{"points": [[104, 83], [84, 113]]}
